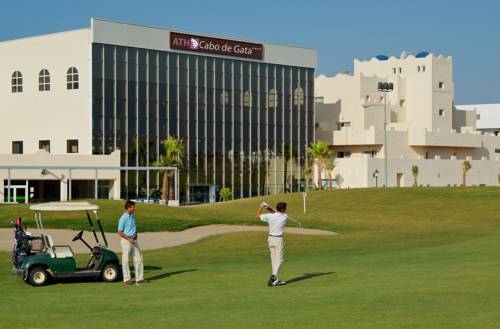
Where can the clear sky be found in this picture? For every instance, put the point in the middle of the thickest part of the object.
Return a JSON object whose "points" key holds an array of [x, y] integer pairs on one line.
{"points": [[340, 30]]}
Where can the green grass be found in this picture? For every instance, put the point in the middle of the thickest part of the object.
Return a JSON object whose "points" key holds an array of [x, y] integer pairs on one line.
{"points": [[405, 258]]}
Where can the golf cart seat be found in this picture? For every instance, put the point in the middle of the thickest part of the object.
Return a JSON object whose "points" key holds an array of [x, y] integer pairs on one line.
{"points": [[61, 252], [47, 240]]}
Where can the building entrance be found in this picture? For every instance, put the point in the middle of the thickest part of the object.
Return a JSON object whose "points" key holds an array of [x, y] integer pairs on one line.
{"points": [[18, 192]]}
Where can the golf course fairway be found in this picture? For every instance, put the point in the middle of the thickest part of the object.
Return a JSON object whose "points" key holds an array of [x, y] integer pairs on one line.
{"points": [[403, 258]]}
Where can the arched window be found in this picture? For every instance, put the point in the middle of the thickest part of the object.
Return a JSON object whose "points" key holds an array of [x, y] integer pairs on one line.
{"points": [[271, 101], [247, 99], [72, 78], [298, 97], [44, 80], [17, 82]]}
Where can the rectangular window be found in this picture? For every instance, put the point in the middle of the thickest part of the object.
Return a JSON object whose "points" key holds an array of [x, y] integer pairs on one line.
{"points": [[44, 145], [394, 70], [441, 112], [343, 154], [340, 125], [400, 70], [423, 68], [418, 68], [402, 103], [497, 150], [441, 85], [319, 99], [17, 147], [72, 146], [371, 153]]}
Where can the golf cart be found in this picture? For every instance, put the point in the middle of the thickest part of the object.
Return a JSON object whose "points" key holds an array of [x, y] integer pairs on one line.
{"points": [[37, 259]]}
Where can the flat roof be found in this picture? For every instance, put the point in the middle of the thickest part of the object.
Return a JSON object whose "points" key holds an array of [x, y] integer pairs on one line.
{"points": [[198, 33], [139, 36]]}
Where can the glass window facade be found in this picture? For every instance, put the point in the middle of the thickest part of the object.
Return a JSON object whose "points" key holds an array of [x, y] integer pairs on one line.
{"points": [[245, 125]]}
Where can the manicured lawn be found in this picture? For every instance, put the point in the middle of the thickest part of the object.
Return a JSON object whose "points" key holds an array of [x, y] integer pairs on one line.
{"points": [[405, 258]]}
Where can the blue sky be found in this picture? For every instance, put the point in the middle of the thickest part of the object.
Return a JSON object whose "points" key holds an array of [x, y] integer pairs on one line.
{"points": [[340, 30]]}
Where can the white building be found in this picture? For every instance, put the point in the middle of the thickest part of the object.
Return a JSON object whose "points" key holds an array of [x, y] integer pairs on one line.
{"points": [[487, 115], [423, 126], [83, 102]]}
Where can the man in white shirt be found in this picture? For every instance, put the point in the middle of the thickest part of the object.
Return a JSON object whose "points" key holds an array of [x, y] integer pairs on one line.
{"points": [[277, 221]]}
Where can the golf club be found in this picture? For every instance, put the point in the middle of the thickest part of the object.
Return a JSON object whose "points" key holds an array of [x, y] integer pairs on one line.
{"points": [[265, 205]]}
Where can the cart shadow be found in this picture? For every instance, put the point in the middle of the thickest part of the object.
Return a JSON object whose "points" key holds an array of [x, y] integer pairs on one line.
{"points": [[152, 268], [307, 276], [168, 274]]}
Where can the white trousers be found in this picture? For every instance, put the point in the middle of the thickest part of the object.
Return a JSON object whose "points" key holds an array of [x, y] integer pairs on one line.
{"points": [[132, 249], [277, 251]]}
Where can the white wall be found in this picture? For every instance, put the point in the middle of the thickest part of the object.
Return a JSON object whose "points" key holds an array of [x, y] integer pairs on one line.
{"points": [[357, 172], [56, 115]]}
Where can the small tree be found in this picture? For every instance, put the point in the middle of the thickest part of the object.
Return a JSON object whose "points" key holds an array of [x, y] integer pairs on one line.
{"points": [[466, 166], [329, 166], [498, 177], [174, 154], [226, 194], [319, 151], [414, 172]]}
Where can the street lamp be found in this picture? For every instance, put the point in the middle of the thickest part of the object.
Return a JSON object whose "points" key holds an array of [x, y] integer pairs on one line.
{"points": [[385, 87], [375, 174]]}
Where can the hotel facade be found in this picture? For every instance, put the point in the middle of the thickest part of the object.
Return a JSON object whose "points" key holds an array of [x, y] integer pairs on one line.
{"points": [[423, 127], [110, 94]]}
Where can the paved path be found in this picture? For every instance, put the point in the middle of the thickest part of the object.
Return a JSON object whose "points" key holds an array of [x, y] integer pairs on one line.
{"points": [[150, 240]]}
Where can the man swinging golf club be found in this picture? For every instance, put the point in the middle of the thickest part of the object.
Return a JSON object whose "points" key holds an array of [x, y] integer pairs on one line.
{"points": [[276, 220], [127, 231]]}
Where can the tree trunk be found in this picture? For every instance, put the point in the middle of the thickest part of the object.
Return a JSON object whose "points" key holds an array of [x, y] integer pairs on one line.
{"points": [[171, 186], [415, 184], [164, 187], [319, 175], [330, 185], [463, 179]]}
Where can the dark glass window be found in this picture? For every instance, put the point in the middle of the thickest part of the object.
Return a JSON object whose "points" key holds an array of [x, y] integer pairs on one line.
{"points": [[72, 146], [17, 147], [234, 117], [44, 145]]}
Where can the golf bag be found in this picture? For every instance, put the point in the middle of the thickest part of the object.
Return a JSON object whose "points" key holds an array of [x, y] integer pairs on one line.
{"points": [[25, 245]]}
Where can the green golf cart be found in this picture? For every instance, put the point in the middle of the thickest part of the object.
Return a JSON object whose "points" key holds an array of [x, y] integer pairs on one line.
{"points": [[43, 260]]}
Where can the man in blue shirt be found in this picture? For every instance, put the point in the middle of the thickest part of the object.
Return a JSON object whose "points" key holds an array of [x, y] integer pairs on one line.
{"points": [[127, 231]]}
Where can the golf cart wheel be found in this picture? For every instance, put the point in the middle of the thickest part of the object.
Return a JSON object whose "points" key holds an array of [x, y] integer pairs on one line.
{"points": [[38, 276], [110, 272]]}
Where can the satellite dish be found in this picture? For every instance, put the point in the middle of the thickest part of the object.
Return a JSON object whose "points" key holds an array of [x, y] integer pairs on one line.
{"points": [[404, 54]]}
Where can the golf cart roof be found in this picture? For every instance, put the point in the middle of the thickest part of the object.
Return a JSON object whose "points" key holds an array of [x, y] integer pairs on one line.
{"points": [[64, 206]]}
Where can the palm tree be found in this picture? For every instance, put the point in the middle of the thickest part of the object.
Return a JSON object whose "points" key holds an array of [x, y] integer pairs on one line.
{"points": [[466, 166], [414, 172], [319, 151], [174, 154], [226, 194], [329, 166]]}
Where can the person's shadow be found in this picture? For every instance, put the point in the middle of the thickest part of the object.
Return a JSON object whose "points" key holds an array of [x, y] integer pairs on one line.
{"points": [[167, 274], [307, 276]]}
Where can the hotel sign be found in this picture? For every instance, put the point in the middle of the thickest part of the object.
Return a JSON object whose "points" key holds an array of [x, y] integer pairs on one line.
{"points": [[217, 46]]}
